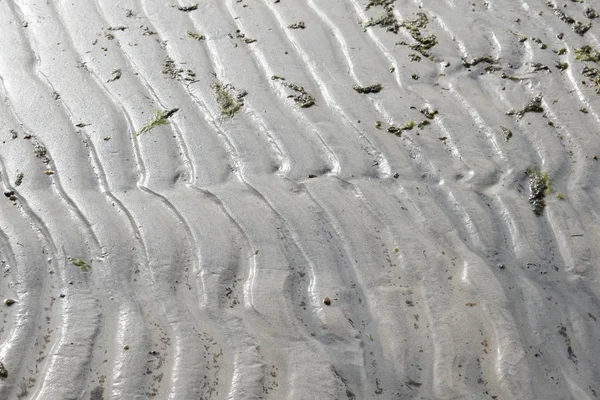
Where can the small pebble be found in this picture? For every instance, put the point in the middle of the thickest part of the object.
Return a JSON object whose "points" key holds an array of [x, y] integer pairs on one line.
{"points": [[9, 302], [327, 301]]}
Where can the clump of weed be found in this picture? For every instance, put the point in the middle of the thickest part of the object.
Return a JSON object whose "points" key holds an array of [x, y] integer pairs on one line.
{"points": [[537, 67], [578, 27], [297, 25], [78, 262], [195, 36], [302, 97], [389, 21], [423, 124], [593, 74], [414, 26], [587, 53], [492, 68], [376, 88], [562, 66], [507, 133], [242, 36], [116, 74], [386, 20], [379, 3], [160, 118], [537, 40], [581, 28], [521, 38], [187, 8], [170, 69], [148, 32], [539, 187], [428, 113], [19, 179], [478, 60], [398, 130], [590, 13], [534, 105], [512, 78], [229, 98], [41, 152]]}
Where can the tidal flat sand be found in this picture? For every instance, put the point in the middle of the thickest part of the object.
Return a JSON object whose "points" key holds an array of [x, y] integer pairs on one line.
{"points": [[279, 199]]}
